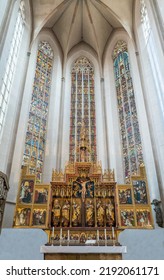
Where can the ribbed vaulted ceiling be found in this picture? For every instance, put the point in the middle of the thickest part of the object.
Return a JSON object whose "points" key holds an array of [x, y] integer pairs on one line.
{"points": [[89, 21]]}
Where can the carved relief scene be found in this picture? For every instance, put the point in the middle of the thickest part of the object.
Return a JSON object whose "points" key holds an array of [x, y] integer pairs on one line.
{"points": [[83, 199], [32, 208], [134, 202]]}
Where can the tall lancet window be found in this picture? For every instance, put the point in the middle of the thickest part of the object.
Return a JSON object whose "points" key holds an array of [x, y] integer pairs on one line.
{"points": [[11, 64], [37, 123], [129, 127], [82, 109]]}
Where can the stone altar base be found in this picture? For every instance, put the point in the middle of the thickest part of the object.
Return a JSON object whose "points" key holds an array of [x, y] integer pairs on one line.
{"points": [[83, 252]]}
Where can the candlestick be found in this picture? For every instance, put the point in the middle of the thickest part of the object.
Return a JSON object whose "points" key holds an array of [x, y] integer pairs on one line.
{"points": [[53, 232], [97, 235], [61, 234], [105, 233], [68, 236], [112, 232]]}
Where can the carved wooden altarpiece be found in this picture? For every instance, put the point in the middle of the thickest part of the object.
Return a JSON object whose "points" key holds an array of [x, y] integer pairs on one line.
{"points": [[83, 203]]}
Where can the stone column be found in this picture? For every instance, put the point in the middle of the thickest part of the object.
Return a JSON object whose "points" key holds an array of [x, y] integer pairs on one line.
{"points": [[154, 167], [60, 130], [105, 121]]}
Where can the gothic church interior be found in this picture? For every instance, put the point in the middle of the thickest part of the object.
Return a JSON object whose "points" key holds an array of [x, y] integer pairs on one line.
{"points": [[82, 120]]}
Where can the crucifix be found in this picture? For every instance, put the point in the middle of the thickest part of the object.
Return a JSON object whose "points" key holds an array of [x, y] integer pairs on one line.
{"points": [[83, 190]]}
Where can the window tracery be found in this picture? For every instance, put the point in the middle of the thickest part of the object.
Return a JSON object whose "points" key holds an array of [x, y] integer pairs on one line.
{"points": [[82, 107], [11, 64], [37, 123]]}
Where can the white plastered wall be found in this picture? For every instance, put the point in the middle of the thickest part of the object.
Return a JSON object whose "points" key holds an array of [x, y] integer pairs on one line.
{"points": [[115, 153], [153, 85]]}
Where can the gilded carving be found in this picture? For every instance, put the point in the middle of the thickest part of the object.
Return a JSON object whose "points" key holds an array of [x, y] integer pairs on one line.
{"points": [[76, 211], [100, 213], [110, 213], [56, 213], [66, 214], [89, 213]]}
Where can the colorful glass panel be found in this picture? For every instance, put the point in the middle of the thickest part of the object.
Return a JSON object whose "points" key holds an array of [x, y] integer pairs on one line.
{"points": [[37, 123], [82, 107], [129, 126]]}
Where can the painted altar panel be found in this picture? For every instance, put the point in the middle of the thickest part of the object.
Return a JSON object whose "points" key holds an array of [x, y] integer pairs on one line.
{"points": [[140, 191], [32, 208], [125, 194], [127, 217], [134, 208], [26, 191], [41, 194], [143, 217], [22, 216], [39, 217]]}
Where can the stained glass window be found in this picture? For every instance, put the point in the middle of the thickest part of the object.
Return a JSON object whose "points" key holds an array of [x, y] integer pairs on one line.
{"points": [[11, 64], [129, 126], [37, 123], [82, 107]]}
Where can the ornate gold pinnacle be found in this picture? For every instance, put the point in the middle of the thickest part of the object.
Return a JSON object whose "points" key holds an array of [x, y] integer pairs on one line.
{"points": [[84, 144]]}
